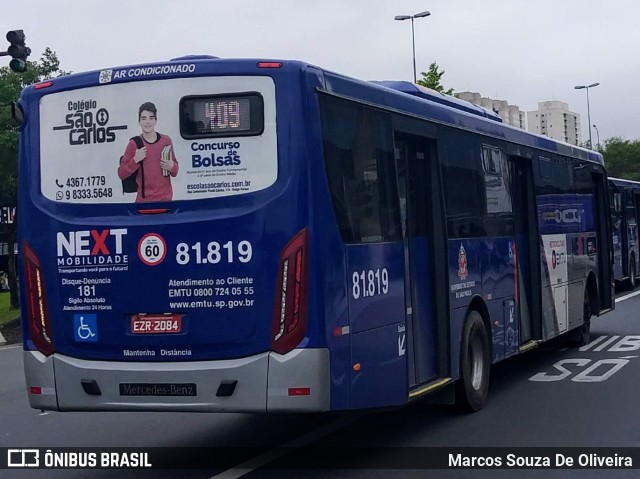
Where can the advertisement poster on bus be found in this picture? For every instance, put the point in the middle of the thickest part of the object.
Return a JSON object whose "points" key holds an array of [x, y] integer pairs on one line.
{"points": [[158, 140]]}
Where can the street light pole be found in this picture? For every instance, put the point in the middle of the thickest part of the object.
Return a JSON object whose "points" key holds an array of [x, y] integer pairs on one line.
{"points": [[581, 87], [413, 37], [598, 136]]}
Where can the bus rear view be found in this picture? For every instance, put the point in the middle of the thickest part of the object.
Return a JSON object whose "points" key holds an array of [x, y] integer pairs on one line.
{"points": [[151, 278], [242, 235]]}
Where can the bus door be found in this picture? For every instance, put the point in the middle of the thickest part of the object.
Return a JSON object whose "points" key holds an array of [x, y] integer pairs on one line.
{"points": [[616, 228], [636, 202], [634, 225], [528, 279], [603, 225], [417, 190], [626, 230]]}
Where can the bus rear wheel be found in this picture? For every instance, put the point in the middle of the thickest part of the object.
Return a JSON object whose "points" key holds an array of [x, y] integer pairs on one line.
{"points": [[582, 335], [473, 386], [631, 282]]}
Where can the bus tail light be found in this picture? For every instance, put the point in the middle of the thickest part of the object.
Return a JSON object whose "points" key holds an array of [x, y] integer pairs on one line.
{"points": [[37, 307], [269, 64], [41, 85], [290, 308]]}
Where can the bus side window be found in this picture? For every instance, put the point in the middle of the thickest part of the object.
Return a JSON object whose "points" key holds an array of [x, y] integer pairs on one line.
{"points": [[617, 203], [360, 166], [497, 182], [464, 189]]}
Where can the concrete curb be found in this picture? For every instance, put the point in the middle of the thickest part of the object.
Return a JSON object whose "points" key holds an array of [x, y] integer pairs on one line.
{"points": [[2, 340]]}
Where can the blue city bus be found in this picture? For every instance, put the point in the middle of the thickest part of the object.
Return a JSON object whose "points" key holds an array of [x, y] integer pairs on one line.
{"points": [[625, 211], [313, 243]]}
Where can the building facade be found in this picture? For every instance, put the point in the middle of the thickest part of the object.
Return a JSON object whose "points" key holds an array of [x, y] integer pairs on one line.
{"points": [[510, 114], [555, 120]]}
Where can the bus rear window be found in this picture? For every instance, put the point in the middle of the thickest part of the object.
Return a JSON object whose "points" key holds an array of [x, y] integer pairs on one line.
{"points": [[158, 140], [214, 116]]}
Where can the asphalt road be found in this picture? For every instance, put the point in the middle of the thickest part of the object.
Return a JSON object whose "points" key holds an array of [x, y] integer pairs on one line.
{"points": [[553, 396]]}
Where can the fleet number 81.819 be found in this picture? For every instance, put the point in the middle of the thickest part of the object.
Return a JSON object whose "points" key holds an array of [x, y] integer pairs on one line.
{"points": [[214, 253], [368, 283]]}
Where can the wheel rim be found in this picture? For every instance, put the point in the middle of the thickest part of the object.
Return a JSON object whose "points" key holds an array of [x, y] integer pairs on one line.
{"points": [[477, 363]]}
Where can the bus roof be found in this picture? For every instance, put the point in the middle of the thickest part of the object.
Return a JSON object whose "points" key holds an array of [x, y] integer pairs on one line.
{"points": [[624, 182], [408, 98], [433, 95], [401, 96]]}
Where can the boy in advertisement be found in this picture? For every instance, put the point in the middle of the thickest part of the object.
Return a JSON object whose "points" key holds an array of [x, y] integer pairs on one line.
{"points": [[151, 158]]}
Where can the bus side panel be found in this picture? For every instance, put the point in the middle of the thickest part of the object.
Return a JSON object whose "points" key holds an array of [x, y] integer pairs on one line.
{"points": [[332, 304], [484, 268], [617, 252], [498, 291], [457, 317], [423, 311], [568, 254], [465, 274], [331, 301], [616, 193], [375, 281], [464, 283], [382, 377]]}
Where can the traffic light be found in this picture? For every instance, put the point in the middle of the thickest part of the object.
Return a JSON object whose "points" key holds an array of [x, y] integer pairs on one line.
{"points": [[18, 51]]}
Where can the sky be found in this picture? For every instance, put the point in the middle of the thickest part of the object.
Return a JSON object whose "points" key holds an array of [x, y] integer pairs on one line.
{"points": [[522, 51]]}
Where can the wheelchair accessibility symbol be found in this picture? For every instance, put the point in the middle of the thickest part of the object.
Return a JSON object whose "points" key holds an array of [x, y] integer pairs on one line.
{"points": [[85, 327]]}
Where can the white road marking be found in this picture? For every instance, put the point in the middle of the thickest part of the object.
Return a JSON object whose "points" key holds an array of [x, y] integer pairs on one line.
{"points": [[627, 296], [608, 342], [599, 339]]}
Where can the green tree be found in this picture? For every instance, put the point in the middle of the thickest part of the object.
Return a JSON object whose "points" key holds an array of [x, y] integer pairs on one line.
{"points": [[622, 158], [11, 84], [432, 79]]}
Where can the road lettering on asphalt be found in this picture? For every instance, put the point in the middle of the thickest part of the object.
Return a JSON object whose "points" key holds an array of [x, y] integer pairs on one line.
{"points": [[585, 370]]}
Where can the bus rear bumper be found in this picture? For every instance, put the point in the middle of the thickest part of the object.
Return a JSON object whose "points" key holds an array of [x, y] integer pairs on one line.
{"points": [[266, 382], [299, 381], [41, 384]]}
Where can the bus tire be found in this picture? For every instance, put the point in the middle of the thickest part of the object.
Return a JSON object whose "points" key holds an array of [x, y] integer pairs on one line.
{"points": [[631, 282], [475, 360], [582, 335]]}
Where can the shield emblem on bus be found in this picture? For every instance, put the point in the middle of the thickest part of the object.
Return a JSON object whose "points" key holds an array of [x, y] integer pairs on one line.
{"points": [[462, 263]]}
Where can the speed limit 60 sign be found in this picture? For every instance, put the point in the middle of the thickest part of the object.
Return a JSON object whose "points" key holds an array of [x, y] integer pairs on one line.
{"points": [[152, 249]]}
